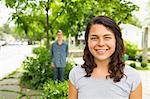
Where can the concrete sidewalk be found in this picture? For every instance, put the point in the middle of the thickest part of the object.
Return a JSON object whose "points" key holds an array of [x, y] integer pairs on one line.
{"points": [[10, 88]]}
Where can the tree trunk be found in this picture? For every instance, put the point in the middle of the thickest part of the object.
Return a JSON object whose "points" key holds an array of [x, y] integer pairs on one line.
{"points": [[47, 24], [28, 38], [76, 40]]}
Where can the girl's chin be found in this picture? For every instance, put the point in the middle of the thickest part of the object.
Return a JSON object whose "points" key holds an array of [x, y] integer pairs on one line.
{"points": [[102, 58]]}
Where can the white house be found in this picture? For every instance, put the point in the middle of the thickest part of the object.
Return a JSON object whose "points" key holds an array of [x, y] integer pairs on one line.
{"points": [[132, 34], [135, 35]]}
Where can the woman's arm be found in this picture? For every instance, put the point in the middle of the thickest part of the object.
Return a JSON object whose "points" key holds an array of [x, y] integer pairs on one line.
{"points": [[137, 93], [73, 93]]}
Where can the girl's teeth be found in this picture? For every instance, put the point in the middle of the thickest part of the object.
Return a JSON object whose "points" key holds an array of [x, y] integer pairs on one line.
{"points": [[101, 51]]}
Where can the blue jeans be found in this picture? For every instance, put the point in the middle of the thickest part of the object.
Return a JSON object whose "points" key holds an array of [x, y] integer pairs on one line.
{"points": [[59, 73]]}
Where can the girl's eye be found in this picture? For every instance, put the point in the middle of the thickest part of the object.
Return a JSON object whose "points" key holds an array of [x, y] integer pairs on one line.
{"points": [[93, 38], [107, 37]]}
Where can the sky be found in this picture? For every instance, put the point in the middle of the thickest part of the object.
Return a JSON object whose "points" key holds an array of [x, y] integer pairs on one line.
{"points": [[4, 13], [141, 14]]}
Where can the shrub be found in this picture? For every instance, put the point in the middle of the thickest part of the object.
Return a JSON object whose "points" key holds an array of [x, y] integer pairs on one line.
{"points": [[37, 69], [132, 65], [131, 50], [55, 90], [140, 58], [144, 64], [148, 49], [68, 67]]}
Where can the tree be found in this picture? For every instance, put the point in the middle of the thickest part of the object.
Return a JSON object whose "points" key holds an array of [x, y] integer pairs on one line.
{"points": [[6, 28], [69, 15], [78, 13], [25, 18]]}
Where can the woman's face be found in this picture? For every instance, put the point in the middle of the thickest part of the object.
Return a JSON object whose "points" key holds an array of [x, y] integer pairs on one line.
{"points": [[101, 42]]}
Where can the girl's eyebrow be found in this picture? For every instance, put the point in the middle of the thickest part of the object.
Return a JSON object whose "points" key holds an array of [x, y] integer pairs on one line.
{"points": [[108, 35], [93, 35], [104, 35]]}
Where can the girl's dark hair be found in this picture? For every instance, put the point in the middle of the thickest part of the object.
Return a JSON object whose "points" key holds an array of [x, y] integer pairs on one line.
{"points": [[116, 65]]}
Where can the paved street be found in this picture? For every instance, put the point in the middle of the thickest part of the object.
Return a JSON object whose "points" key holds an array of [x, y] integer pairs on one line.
{"points": [[12, 56]]}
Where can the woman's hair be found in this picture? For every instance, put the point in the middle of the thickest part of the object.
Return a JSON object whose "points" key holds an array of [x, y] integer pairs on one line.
{"points": [[116, 64]]}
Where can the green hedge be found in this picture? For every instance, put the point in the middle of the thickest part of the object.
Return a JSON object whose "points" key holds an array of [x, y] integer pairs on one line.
{"points": [[131, 50], [68, 67], [37, 69], [55, 90], [144, 64], [132, 65]]}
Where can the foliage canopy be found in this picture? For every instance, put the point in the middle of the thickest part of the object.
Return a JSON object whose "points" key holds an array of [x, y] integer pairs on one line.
{"points": [[71, 16]]}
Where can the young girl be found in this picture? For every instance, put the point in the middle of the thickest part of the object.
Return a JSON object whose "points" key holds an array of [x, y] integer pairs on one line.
{"points": [[104, 74]]}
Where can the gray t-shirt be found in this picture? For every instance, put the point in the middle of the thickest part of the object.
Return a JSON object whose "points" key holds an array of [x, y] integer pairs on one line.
{"points": [[102, 88]]}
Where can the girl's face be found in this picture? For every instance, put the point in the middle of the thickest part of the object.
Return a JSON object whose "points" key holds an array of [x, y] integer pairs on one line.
{"points": [[101, 42]]}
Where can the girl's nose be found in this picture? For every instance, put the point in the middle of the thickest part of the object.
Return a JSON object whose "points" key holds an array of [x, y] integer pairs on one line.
{"points": [[101, 42]]}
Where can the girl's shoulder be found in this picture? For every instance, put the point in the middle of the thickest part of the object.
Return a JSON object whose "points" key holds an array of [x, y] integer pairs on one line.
{"points": [[76, 74], [130, 71], [133, 77], [77, 68], [77, 71]]}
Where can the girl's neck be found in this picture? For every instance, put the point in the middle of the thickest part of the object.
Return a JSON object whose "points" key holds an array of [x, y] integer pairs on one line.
{"points": [[102, 64], [101, 71]]}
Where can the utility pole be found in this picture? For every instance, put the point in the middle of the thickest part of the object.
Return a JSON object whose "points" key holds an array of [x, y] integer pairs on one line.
{"points": [[145, 44]]}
